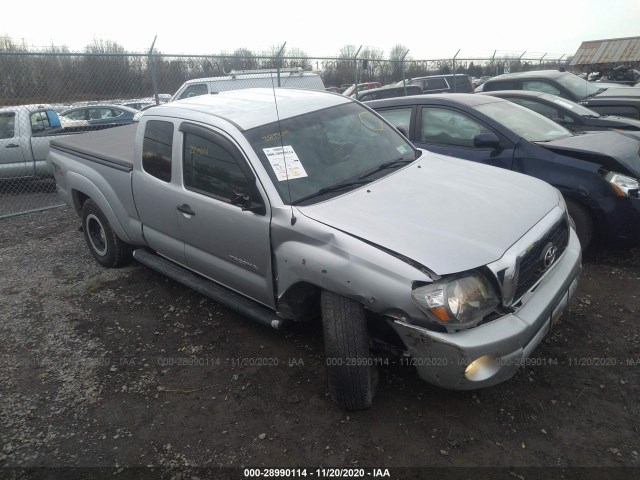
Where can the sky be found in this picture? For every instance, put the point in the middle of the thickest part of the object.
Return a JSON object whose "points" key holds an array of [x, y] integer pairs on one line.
{"points": [[429, 29]]}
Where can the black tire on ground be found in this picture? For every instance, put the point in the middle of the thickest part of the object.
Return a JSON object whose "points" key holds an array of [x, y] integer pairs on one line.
{"points": [[104, 244], [351, 376], [583, 221]]}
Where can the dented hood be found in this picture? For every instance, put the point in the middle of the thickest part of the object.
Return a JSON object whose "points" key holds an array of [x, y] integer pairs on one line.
{"points": [[447, 214], [609, 148]]}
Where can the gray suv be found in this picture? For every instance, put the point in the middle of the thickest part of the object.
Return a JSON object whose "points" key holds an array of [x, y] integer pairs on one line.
{"points": [[453, 83]]}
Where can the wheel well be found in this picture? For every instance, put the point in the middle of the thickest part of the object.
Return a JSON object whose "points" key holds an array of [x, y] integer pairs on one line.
{"points": [[301, 302], [587, 210], [78, 199]]}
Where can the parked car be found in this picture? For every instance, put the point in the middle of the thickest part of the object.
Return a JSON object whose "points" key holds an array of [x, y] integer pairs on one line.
{"points": [[622, 101], [101, 114], [285, 78], [138, 104], [572, 115], [285, 215], [351, 91], [388, 92], [458, 83], [597, 172]]}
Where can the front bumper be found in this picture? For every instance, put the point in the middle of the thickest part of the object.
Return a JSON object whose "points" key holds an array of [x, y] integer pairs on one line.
{"points": [[502, 345]]}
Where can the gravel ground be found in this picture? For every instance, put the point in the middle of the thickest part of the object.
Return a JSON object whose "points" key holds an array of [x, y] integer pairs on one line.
{"points": [[125, 368]]}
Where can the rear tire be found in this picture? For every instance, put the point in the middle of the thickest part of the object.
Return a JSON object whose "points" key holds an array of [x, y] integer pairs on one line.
{"points": [[105, 246], [584, 223], [351, 376]]}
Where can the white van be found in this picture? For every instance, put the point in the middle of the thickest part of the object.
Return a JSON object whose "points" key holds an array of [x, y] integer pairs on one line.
{"points": [[288, 78]]}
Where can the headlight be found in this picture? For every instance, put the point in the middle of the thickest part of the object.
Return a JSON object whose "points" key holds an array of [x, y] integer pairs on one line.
{"points": [[624, 186], [459, 302]]}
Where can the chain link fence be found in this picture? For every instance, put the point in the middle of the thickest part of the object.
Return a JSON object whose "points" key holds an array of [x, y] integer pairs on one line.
{"points": [[48, 94]]}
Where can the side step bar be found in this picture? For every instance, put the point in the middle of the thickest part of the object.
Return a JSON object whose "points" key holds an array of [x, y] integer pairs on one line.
{"points": [[220, 294]]}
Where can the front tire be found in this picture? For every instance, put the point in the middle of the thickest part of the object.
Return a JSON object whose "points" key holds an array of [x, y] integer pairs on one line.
{"points": [[351, 376], [105, 246], [583, 221]]}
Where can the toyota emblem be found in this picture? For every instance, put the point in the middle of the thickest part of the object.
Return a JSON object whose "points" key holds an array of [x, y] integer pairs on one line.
{"points": [[549, 255]]}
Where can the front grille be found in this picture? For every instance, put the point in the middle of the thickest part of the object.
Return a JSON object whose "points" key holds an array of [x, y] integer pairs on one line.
{"points": [[532, 264]]}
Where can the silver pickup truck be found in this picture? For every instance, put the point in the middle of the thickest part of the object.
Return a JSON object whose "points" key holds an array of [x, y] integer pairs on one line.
{"points": [[25, 134], [299, 205]]}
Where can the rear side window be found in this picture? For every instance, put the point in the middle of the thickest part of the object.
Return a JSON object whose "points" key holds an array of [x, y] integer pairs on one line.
{"points": [[501, 85], [540, 86], [156, 149], [194, 91], [435, 84], [7, 125]]}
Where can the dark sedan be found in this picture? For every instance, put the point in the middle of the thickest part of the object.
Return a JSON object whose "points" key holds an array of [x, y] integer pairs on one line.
{"points": [[596, 172], [102, 114], [623, 101], [572, 115]]}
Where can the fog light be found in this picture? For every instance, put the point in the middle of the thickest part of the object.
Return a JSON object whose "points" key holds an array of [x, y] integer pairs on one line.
{"points": [[482, 368]]}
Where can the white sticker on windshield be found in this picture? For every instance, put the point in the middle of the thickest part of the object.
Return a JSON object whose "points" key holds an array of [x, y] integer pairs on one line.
{"points": [[564, 104], [285, 162], [403, 149]]}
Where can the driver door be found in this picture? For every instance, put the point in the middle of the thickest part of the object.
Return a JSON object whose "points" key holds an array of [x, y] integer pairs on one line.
{"points": [[452, 132], [224, 241]]}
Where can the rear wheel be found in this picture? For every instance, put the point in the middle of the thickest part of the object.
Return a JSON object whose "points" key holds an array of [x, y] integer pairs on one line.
{"points": [[351, 376], [583, 221], [103, 243]]}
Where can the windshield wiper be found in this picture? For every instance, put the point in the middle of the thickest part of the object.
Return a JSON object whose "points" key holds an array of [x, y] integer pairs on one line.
{"points": [[600, 90], [389, 164], [332, 188]]}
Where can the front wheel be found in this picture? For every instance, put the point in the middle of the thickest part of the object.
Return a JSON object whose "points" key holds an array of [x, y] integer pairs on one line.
{"points": [[583, 221], [351, 375], [103, 243]]}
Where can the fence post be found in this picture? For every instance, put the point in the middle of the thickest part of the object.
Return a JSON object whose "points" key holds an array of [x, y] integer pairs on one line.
{"points": [[404, 82], [152, 66], [455, 84], [355, 62], [278, 60]]}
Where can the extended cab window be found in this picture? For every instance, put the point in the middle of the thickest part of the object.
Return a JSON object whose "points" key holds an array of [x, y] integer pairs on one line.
{"points": [[210, 169], [156, 149], [7, 125], [39, 121]]}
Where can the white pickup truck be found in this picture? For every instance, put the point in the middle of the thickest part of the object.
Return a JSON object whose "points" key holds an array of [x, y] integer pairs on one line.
{"points": [[25, 134], [292, 205]]}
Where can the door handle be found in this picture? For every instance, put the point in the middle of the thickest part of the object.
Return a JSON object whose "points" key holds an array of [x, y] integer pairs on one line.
{"points": [[186, 209], [12, 145]]}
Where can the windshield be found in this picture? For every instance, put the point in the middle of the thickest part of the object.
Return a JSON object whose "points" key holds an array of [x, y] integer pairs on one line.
{"points": [[321, 149], [526, 123], [578, 87]]}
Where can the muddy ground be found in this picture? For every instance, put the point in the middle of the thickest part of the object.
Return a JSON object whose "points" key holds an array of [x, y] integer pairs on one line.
{"points": [[124, 368]]}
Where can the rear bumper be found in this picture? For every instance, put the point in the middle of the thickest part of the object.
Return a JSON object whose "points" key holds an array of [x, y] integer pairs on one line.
{"points": [[498, 348]]}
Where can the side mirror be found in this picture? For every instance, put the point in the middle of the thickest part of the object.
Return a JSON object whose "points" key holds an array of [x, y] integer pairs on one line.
{"points": [[403, 129], [245, 202], [486, 140]]}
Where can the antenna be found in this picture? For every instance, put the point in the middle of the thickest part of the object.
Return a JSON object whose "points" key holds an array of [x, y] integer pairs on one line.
{"points": [[284, 157]]}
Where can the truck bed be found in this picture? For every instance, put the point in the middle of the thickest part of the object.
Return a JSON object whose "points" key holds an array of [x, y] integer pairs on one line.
{"points": [[112, 147]]}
